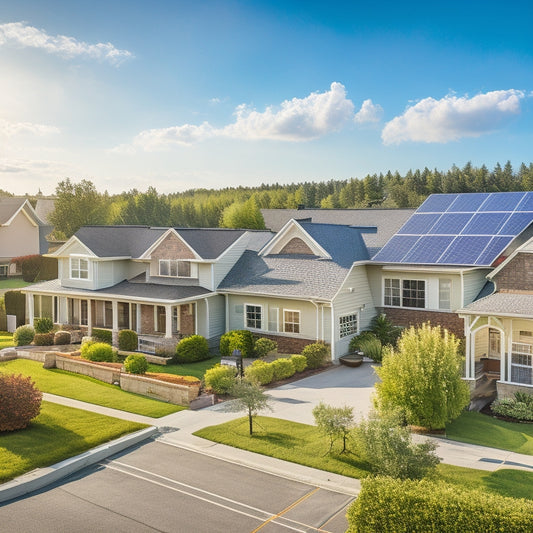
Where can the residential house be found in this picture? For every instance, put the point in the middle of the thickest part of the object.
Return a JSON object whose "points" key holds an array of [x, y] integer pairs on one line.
{"points": [[160, 282], [307, 284], [442, 266], [22, 233]]}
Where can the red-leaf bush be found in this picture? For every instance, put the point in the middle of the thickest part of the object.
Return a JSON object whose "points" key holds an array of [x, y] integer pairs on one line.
{"points": [[20, 401]]}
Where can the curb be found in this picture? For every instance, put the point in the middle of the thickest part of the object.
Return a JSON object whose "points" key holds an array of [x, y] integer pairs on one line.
{"points": [[41, 477]]}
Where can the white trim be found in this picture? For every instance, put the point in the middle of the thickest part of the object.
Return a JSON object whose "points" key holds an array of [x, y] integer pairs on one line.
{"points": [[401, 280], [70, 242], [149, 251], [245, 318], [79, 258], [299, 332]]}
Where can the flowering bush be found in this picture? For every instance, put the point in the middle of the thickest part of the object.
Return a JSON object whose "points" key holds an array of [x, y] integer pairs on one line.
{"points": [[20, 401]]}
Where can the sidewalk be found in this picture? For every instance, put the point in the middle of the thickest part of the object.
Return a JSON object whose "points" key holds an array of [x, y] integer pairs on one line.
{"points": [[291, 402]]}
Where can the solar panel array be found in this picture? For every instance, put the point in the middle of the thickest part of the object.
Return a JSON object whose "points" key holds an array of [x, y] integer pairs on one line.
{"points": [[460, 229]]}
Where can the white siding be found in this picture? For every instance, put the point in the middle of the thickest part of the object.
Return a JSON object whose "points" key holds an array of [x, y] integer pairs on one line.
{"points": [[354, 297], [473, 281], [226, 262]]}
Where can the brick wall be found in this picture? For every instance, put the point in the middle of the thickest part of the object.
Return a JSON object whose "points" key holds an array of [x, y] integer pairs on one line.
{"points": [[415, 317], [289, 344], [296, 246], [517, 275], [187, 325], [147, 319], [172, 248]]}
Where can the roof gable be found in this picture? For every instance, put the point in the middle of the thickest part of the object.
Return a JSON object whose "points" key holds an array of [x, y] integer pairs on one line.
{"points": [[11, 207]]}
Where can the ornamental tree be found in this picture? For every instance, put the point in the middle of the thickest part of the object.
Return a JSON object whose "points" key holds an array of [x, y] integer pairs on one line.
{"points": [[422, 378]]}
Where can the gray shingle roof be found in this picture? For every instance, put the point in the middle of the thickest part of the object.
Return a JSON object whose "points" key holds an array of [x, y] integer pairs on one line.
{"points": [[134, 241], [302, 276], [151, 291], [10, 205], [502, 303], [387, 221]]}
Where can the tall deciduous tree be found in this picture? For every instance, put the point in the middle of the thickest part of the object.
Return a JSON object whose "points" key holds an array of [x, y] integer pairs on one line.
{"points": [[243, 215], [422, 378], [77, 205]]}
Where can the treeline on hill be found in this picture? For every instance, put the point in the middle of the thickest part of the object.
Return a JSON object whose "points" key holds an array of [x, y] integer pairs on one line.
{"points": [[80, 204]]}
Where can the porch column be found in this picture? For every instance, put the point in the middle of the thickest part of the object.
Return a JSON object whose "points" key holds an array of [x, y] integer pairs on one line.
{"points": [[114, 309], [206, 326], [89, 317], [168, 321], [333, 334], [29, 308], [138, 320], [63, 310], [468, 349]]}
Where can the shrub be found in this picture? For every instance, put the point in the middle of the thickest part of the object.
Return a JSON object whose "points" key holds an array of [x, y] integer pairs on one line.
{"points": [[369, 344], [385, 331], [23, 335], [102, 335], [136, 364], [283, 368], [299, 362], [43, 325], [259, 372], [191, 349], [239, 339], [520, 407], [355, 342], [98, 351], [62, 337], [264, 346], [30, 266], [127, 340], [387, 447], [423, 378], [43, 339], [386, 504], [315, 354], [220, 379], [15, 303], [20, 401]]}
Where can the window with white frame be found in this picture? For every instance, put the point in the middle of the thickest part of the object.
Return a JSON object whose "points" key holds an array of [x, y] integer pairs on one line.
{"points": [[348, 325], [445, 293], [253, 316], [404, 292], [79, 268], [291, 321], [3, 271], [175, 268]]}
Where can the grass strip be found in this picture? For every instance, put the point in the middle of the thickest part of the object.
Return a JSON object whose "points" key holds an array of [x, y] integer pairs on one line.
{"points": [[477, 428], [303, 444], [87, 389], [6, 340], [186, 369], [59, 432]]}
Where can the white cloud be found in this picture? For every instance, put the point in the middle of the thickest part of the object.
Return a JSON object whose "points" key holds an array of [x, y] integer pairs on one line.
{"points": [[20, 34], [369, 112], [451, 118], [299, 119], [10, 129]]}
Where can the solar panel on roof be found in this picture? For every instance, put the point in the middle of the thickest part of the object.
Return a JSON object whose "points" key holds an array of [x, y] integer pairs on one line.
{"points": [[460, 229]]}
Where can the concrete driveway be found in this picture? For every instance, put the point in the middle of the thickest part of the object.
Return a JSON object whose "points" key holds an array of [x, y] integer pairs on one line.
{"points": [[337, 386]]}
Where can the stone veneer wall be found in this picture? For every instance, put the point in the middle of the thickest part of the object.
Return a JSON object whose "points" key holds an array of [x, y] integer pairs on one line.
{"points": [[517, 275], [414, 317], [507, 390], [172, 247], [160, 390], [296, 246]]}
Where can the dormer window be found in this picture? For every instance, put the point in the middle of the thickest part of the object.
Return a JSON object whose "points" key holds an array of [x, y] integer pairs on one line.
{"points": [[174, 268], [79, 268]]}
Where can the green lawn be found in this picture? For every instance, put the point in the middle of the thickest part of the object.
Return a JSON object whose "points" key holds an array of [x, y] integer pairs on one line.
{"points": [[88, 389], [303, 444], [6, 340], [58, 433], [12, 283], [476, 428], [187, 369]]}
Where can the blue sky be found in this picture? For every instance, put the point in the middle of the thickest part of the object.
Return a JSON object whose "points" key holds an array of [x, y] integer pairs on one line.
{"points": [[181, 95]]}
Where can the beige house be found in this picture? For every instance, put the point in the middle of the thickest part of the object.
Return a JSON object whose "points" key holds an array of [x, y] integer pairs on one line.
{"points": [[22, 233]]}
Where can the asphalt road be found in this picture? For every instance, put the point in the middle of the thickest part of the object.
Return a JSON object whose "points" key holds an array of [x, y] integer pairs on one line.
{"points": [[159, 487]]}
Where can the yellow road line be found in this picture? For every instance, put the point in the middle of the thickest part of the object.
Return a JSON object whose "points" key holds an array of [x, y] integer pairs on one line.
{"points": [[291, 506]]}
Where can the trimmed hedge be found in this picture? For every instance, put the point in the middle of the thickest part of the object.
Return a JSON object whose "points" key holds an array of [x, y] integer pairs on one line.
{"points": [[43, 339], [264, 346], [260, 372], [102, 335], [136, 364], [15, 304], [62, 337], [220, 379], [316, 354], [23, 336], [98, 351], [20, 401], [387, 504], [128, 340], [283, 369], [299, 362], [192, 349], [238, 339]]}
